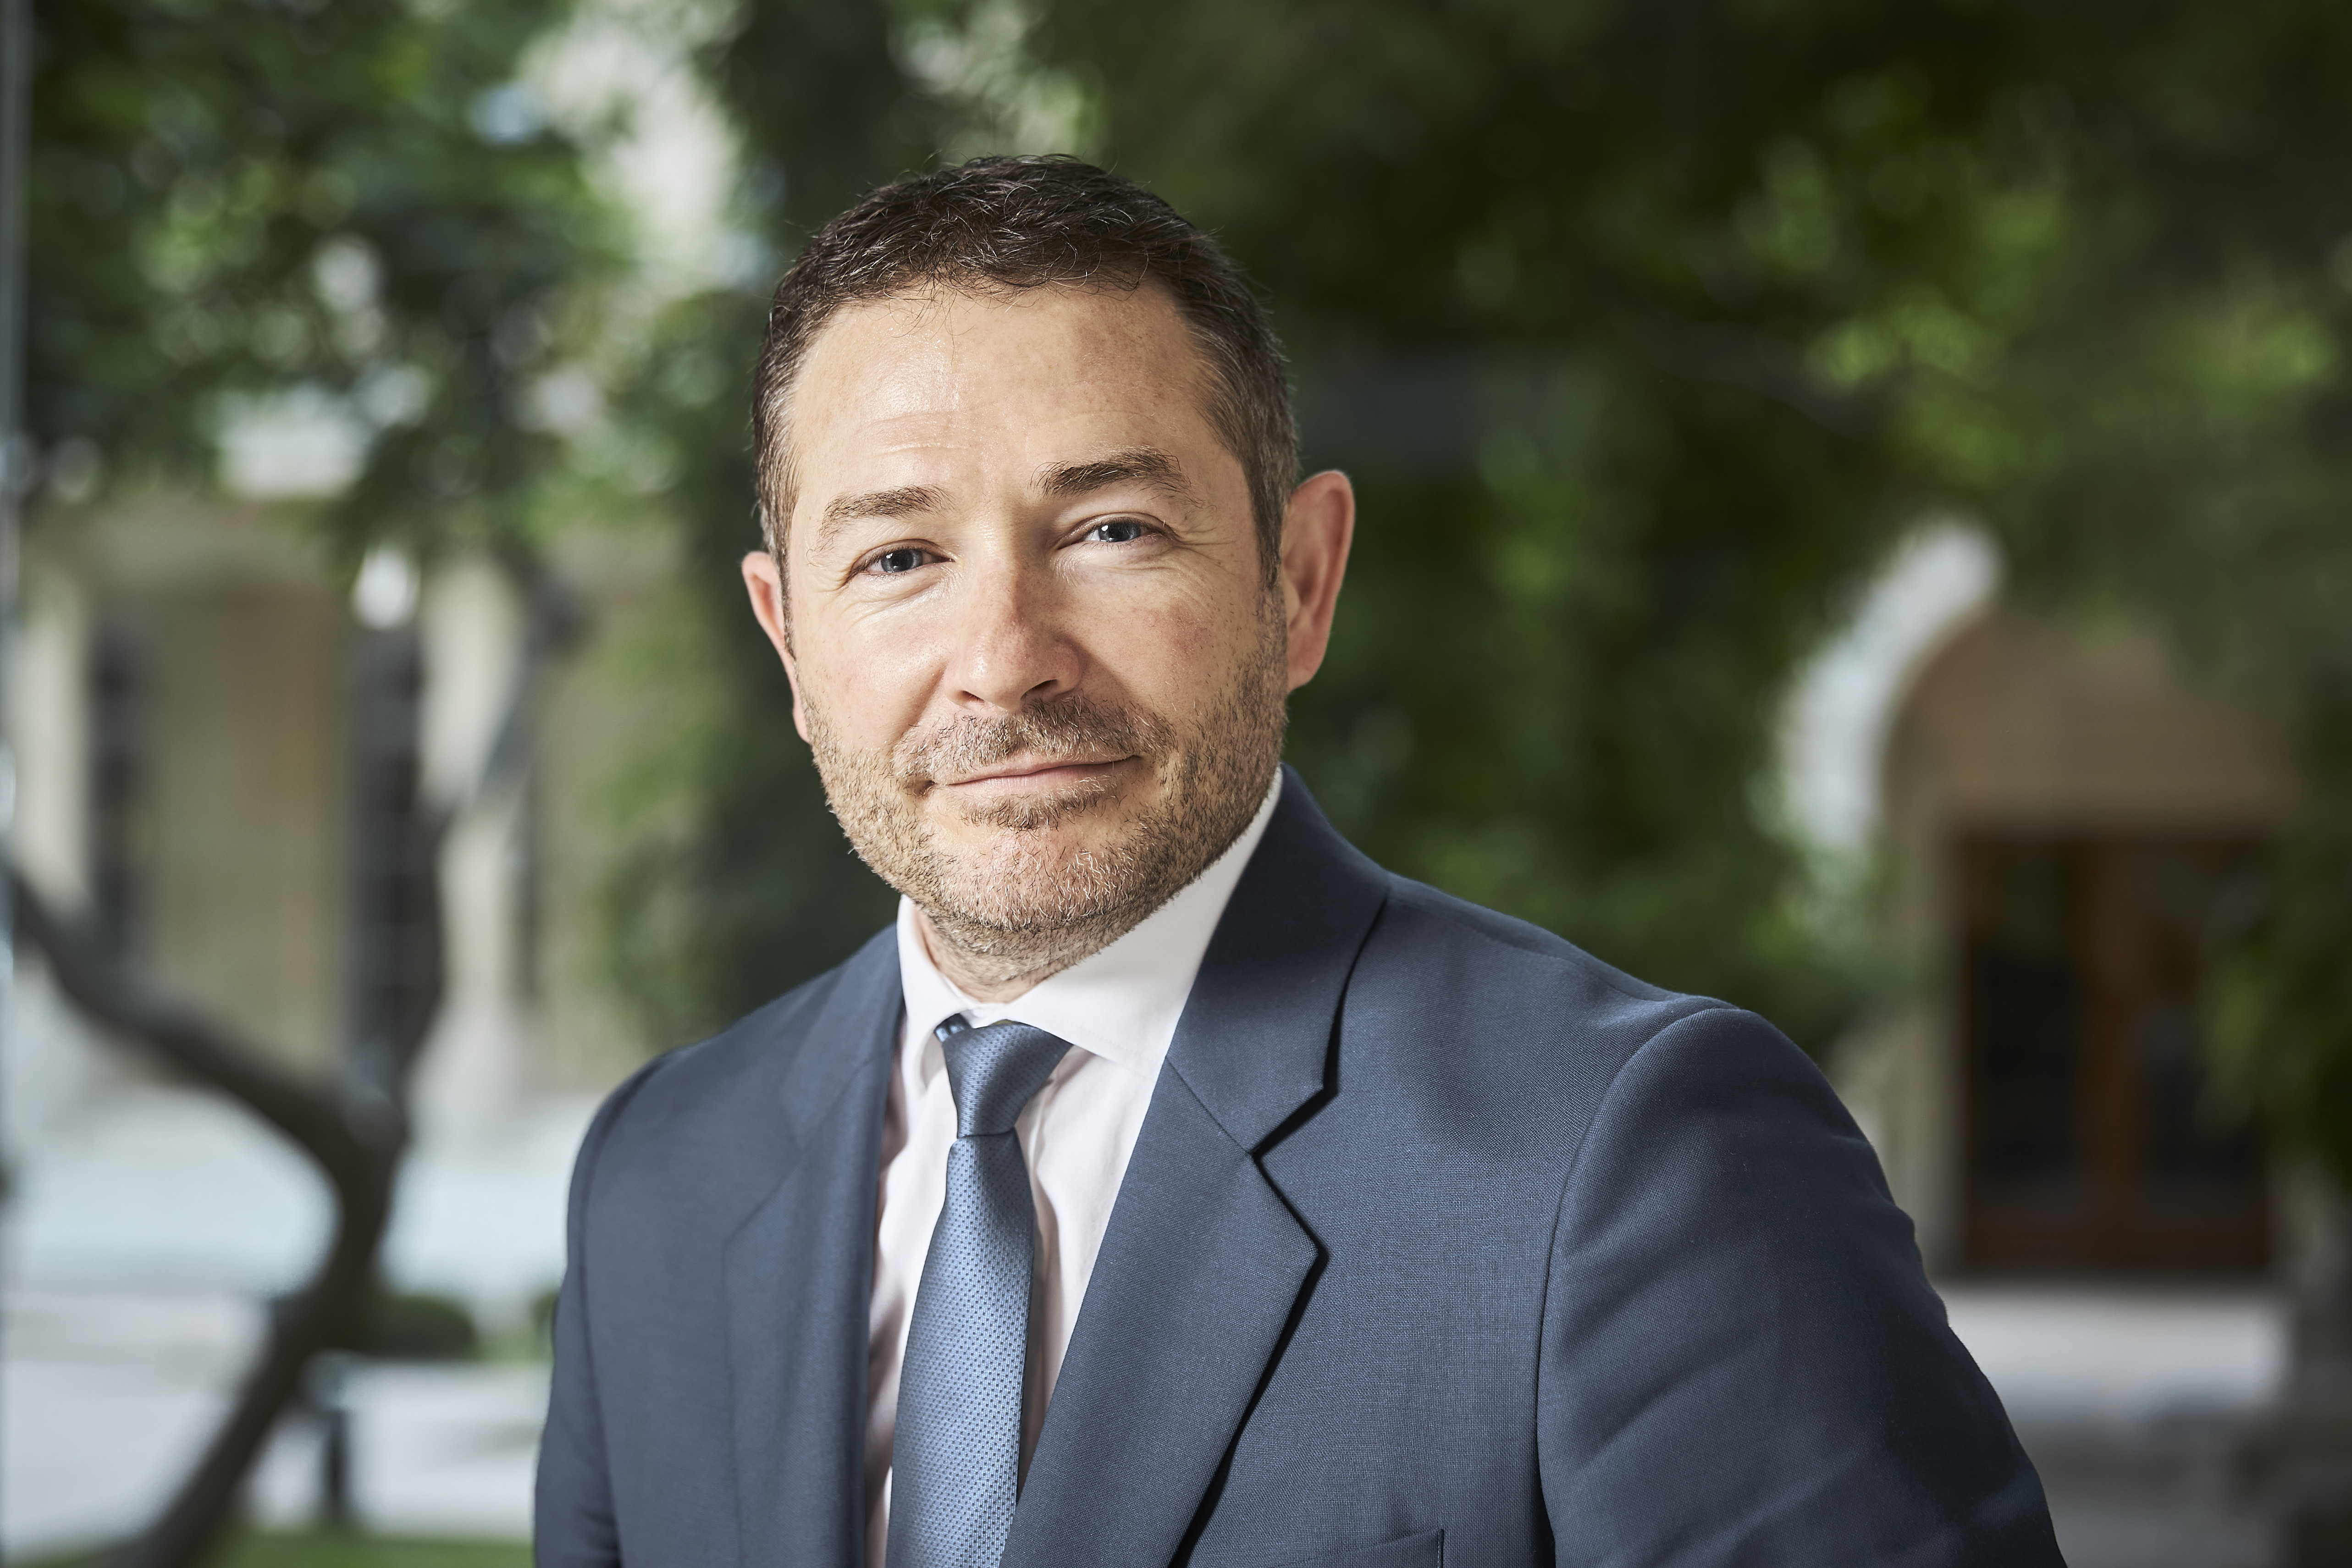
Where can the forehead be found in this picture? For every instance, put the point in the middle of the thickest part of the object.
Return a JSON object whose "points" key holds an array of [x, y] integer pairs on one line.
{"points": [[942, 385]]}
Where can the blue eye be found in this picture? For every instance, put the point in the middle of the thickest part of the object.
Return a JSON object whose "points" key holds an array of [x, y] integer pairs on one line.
{"points": [[1118, 530], [893, 562]]}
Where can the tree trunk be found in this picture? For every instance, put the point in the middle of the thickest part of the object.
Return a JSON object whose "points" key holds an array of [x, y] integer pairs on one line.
{"points": [[356, 1143], [356, 1134]]}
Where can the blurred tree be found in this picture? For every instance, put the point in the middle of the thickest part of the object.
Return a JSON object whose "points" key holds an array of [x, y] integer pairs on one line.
{"points": [[1565, 794], [1413, 187], [1803, 270], [742, 887], [358, 212], [1797, 272], [359, 202], [1646, 329], [732, 884]]}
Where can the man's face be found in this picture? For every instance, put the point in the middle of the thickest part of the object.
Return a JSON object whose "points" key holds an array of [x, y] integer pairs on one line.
{"points": [[1030, 636]]}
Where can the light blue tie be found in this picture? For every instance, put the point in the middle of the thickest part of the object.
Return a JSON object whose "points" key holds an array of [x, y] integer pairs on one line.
{"points": [[955, 1462]]}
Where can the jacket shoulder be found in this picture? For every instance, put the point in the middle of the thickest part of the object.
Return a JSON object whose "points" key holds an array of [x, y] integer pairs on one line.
{"points": [[1488, 1033], [1498, 957]]}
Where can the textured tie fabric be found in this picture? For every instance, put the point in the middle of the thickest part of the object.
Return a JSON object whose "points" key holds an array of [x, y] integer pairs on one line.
{"points": [[955, 1461]]}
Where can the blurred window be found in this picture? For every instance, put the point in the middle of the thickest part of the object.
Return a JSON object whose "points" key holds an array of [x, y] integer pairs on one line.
{"points": [[2092, 1141], [118, 744], [395, 930]]}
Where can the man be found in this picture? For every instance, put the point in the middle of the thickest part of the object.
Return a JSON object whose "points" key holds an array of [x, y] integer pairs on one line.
{"points": [[1172, 1184]]}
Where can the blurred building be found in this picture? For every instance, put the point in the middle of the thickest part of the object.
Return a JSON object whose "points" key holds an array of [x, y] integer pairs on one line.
{"points": [[2069, 827], [215, 744]]}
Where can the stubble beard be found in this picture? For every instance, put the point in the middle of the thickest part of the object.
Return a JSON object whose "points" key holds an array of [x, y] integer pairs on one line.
{"points": [[1020, 906]]}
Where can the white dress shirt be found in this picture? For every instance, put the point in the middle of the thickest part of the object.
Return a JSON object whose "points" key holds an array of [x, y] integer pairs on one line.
{"points": [[1118, 1008]]}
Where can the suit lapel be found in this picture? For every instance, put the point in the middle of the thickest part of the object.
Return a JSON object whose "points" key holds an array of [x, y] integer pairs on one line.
{"points": [[1202, 1264], [798, 1274]]}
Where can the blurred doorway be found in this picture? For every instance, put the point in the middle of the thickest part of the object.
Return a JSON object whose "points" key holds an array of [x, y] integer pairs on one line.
{"points": [[2091, 1144]]}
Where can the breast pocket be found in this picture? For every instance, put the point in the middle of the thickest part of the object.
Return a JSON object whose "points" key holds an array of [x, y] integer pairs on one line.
{"points": [[1426, 1550]]}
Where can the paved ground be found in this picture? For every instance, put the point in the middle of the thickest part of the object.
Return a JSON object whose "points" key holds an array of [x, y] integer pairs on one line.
{"points": [[152, 1185], [437, 1451], [103, 1398]]}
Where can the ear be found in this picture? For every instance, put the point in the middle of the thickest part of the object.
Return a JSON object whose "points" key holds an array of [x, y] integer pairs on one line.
{"points": [[765, 583], [1316, 529]]}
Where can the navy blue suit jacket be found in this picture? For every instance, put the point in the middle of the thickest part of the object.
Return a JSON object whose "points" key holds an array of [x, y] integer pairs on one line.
{"points": [[1441, 1242]]}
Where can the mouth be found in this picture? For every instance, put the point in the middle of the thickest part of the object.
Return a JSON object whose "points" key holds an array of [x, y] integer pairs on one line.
{"points": [[1021, 775]]}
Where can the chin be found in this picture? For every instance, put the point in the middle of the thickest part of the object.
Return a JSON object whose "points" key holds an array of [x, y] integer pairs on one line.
{"points": [[1037, 881], [1070, 845]]}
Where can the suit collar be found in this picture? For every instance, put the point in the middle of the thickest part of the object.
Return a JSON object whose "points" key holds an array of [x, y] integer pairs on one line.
{"points": [[1254, 1040], [856, 1030], [1204, 1264]]}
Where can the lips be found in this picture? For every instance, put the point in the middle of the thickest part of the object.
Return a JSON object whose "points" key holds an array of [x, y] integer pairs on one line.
{"points": [[1060, 742], [1013, 773]]}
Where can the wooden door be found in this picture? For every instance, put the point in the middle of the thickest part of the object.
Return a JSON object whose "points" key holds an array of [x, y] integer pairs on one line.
{"points": [[2092, 1144]]}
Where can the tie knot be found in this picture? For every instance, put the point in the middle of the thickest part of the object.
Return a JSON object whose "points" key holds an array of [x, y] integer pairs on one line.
{"points": [[994, 1072]]}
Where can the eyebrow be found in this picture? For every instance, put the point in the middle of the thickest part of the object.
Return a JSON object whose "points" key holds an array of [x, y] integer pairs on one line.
{"points": [[1137, 464], [842, 511]]}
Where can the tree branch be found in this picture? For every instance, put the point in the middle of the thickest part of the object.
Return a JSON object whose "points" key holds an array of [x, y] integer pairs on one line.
{"points": [[357, 1145], [180, 1038], [357, 1135]]}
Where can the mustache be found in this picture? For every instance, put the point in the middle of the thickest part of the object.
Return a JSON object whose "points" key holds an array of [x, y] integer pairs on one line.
{"points": [[1070, 727]]}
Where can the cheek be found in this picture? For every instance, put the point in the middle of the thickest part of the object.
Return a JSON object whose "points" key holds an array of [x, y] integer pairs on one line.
{"points": [[867, 692], [1175, 651]]}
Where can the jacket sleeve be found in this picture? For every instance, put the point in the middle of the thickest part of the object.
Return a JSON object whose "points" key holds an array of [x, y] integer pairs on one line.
{"points": [[573, 1523], [1742, 1361]]}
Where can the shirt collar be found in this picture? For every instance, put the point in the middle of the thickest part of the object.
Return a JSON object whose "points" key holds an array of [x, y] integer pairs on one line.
{"points": [[1121, 1004]]}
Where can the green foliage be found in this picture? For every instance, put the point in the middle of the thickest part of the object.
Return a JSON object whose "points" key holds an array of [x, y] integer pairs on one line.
{"points": [[325, 1549], [357, 200], [1646, 329], [404, 1325], [825, 110], [2282, 1010], [1551, 685], [1554, 278], [735, 883], [328, 1549], [1804, 270]]}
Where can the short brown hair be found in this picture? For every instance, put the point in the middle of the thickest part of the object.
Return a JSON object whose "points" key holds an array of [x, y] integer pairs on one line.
{"points": [[1030, 223]]}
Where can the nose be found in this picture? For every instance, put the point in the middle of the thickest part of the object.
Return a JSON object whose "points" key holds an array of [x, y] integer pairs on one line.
{"points": [[1012, 647]]}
